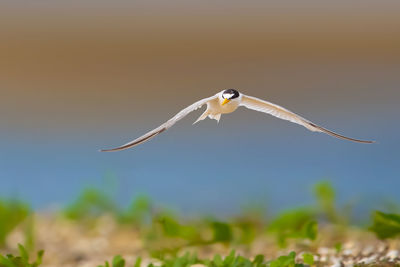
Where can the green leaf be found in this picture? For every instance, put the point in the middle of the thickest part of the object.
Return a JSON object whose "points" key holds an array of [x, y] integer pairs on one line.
{"points": [[39, 258], [139, 213], [118, 261], [230, 258], [22, 260], [284, 261], [6, 262], [338, 247], [385, 225], [275, 263], [91, 203], [12, 213], [294, 224], [308, 258], [138, 262], [23, 253], [222, 232], [218, 260], [311, 230], [259, 259], [325, 195]]}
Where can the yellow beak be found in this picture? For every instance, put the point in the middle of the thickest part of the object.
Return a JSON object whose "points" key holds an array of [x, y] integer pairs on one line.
{"points": [[225, 101]]}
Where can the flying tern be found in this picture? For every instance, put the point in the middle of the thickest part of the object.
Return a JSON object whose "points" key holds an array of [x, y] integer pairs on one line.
{"points": [[227, 101]]}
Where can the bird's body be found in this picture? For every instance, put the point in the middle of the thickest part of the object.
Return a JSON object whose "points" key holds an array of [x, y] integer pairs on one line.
{"points": [[215, 108], [227, 101]]}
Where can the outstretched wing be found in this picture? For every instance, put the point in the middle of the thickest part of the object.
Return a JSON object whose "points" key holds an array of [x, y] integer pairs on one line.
{"points": [[282, 113], [164, 126]]}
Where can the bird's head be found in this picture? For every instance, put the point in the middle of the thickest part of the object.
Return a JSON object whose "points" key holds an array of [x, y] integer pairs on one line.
{"points": [[229, 95]]}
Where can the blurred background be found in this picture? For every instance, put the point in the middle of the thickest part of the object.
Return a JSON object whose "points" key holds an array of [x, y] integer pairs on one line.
{"points": [[78, 76]]}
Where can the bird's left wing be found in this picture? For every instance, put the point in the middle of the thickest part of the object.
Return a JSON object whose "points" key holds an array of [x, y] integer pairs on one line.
{"points": [[164, 126], [282, 113]]}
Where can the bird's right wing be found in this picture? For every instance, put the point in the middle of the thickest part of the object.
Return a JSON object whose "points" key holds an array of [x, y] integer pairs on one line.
{"points": [[282, 113], [164, 126]]}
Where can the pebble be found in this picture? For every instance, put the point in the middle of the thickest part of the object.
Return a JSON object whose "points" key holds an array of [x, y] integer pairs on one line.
{"points": [[324, 251], [348, 252], [381, 248], [392, 254], [348, 263], [368, 260], [336, 262], [368, 250]]}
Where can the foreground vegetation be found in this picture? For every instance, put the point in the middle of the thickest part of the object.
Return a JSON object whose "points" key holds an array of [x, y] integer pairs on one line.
{"points": [[90, 231]]}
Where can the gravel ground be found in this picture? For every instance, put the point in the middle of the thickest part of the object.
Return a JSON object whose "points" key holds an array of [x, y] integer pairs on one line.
{"points": [[70, 244]]}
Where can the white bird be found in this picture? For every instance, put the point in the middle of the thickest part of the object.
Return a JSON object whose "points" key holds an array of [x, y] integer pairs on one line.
{"points": [[228, 101]]}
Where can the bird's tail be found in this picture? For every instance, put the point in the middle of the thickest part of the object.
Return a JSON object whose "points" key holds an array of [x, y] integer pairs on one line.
{"points": [[202, 117]]}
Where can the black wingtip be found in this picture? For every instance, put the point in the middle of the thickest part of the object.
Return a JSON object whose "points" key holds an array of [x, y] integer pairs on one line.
{"points": [[107, 150]]}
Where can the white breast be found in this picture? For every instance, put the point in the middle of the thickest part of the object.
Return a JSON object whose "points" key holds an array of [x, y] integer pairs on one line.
{"points": [[216, 107]]}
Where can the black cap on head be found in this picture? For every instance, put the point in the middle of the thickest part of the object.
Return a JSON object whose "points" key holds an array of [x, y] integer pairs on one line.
{"points": [[232, 92]]}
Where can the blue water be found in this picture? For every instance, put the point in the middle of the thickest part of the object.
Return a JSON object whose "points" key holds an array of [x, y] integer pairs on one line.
{"points": [[208, 168]]}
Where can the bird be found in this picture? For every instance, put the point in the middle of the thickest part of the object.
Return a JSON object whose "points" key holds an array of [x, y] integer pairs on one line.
{"points": [[227, 101]]}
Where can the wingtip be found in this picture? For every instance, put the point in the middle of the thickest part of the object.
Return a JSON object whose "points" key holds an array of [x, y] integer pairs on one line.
{"points": [[366, 141], [106, 150]]}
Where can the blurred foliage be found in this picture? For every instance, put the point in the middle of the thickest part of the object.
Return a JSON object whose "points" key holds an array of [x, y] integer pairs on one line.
{"points": [[285, 261], [179, 261], [338, 247], [91, 204], [22, 260], [299, 223], [222, 232], [172, 228], [12, 213], [29, 232], [325, 195], [232, 260], [139, 212], [385, 225], [165, 233], [118, 261], [308, 258]]}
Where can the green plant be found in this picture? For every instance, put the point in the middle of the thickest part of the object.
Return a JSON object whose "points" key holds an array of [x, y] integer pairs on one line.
{"points": [[308, 258], [173, 228], [385, 225], [139, 212], [29, 231], [297, 224], [179, 261], [12, 213], [325, 195], [284, 261], [290, 260], [338, 247], [222, 232], [117, 261], [90, 204], [22, 260], [232, 260]]}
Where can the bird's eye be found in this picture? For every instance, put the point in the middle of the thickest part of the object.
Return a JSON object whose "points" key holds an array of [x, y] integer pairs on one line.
{"points": [[230, 94]]}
